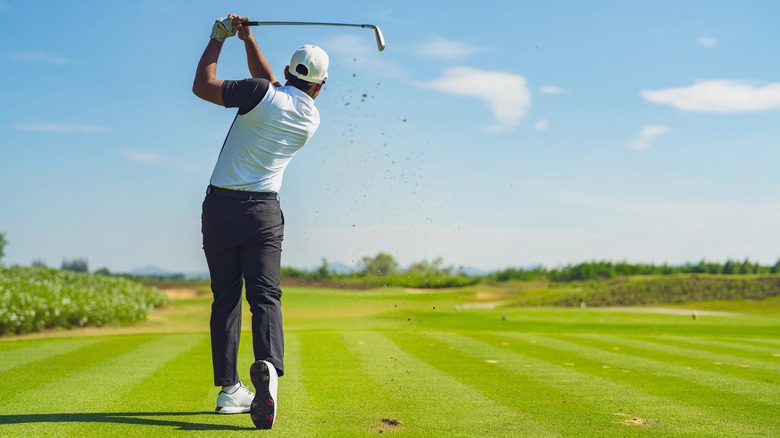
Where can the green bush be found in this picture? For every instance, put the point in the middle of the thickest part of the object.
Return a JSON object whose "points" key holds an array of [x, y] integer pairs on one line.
{"points": [[673, 289], [602, 270], [33, 299]]}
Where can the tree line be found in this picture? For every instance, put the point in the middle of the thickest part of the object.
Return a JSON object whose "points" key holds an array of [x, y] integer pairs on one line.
{"points": [[384, 270], [435, 273], [603, 270]]}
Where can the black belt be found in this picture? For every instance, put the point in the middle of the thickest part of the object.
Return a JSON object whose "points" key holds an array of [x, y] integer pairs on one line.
{"points": [[241, 194]]}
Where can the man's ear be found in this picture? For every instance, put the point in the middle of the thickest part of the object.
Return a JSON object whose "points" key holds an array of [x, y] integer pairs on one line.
{"points": [[287, 72]]}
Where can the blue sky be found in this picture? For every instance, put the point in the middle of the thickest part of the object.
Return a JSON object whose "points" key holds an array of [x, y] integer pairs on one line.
{"points": [[492, 134]]}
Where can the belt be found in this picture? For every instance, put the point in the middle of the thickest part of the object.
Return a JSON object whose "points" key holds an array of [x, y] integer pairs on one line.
{"points": [[241, 194]]}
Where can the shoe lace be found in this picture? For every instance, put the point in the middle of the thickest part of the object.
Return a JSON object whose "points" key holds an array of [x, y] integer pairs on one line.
{"points": [[245, 389]]}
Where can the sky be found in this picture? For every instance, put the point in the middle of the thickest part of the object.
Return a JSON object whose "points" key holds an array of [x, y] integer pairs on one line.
{"points": [[491, 134]]}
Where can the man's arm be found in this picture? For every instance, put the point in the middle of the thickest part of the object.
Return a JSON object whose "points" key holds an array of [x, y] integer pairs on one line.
{"points": [[206, 85], [258, 64]]}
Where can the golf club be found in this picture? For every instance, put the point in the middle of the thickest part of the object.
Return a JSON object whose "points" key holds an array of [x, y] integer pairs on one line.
{"points": [[380, 39]]}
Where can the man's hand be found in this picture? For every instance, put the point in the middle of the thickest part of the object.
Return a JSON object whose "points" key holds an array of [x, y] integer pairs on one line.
{"points": [[223, 28], [244, 33]]}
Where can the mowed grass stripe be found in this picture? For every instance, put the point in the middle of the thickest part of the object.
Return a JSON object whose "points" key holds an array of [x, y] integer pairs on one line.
{"points": [[22, 353], [432, 400], [746, 376], [182, 383], [739, 347], [30, 378], [184, 398], [103, 375], [689, 390], [662, 364], [772, 348], [608, 393], [545, 379], [177, 397], [759, 341], [343, 404], [295, 412]]}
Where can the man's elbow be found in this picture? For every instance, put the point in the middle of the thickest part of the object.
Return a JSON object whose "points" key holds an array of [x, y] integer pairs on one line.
{"points": [[210, 92], [197, 88]]}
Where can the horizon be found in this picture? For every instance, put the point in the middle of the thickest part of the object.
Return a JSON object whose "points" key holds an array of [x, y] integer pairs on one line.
{"points": [[342, 268]]}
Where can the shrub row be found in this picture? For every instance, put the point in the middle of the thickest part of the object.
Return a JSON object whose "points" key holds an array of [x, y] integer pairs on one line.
{"points": [[33, 299], [603, 270], [673, 289]]}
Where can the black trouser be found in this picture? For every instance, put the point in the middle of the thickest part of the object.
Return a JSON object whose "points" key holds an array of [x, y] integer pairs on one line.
{"points": [[242, 239]]}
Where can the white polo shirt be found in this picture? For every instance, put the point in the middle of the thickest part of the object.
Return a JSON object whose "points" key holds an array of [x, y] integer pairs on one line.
{"points": [[271, 125]]}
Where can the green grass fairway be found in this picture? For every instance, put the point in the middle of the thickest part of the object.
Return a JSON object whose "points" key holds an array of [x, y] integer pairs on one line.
{"points": [[393, 362]]}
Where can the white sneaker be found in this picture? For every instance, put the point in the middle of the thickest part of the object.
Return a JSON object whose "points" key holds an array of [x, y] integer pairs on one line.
{"points": [[237, 402], [266, 381]]}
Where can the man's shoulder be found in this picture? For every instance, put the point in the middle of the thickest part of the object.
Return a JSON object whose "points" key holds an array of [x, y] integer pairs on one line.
{"points": [[244, 94], [247, 85], [258, 81]]}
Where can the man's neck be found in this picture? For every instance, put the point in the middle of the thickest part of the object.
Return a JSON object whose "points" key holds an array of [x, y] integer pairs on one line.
{"points": [[311, 92]]}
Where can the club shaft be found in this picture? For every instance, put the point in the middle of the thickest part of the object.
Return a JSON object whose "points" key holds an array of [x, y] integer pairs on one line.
{"points": [[304, 23]]}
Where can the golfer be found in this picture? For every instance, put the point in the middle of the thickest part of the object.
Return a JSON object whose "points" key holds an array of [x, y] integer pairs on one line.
{"points": [[242, 222]]}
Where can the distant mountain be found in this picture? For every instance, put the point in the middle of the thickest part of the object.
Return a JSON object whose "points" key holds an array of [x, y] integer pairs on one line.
{"points": [[151, 270], [156, 271], [472, 271], [340, 268]]}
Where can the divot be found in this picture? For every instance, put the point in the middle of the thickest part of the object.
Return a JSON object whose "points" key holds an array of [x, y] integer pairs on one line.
{"points": [[388, 424]]}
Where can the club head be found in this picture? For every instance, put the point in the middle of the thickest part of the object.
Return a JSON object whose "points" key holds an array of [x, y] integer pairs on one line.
{"points": [[380, 39]]}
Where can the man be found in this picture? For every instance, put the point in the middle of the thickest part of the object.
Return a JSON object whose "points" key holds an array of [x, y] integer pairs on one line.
{"points": [[242, 222]]}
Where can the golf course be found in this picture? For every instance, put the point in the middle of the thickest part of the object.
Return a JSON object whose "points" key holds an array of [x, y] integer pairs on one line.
{"points": [[414, 362], [520, 219]]}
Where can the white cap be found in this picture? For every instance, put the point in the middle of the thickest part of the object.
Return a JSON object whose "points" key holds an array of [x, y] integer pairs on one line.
{"points": [[310, 63]]}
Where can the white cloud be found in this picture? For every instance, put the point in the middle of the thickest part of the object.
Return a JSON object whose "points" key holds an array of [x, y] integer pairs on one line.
{"points": [[718, 96], [40, 57], [142, 156], [541, 125], [551, 89], [506, 94], [647, 135], [60, 128], [446, 49], [707, 41]]}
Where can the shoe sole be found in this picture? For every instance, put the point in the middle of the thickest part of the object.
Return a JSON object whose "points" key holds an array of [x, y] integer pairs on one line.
{"points": [[231, 410], [263, 408]]}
